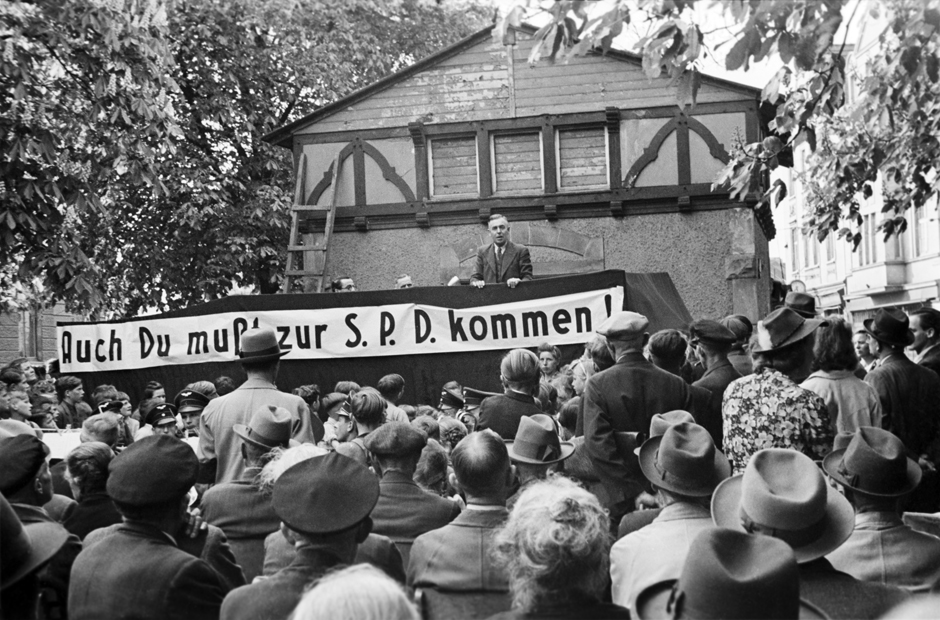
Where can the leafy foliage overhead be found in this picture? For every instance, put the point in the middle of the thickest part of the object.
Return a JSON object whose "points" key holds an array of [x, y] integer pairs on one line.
{"points": [[884, 140], [134, 172]]}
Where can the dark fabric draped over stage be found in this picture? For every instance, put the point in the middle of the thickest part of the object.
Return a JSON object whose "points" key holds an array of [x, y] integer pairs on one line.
{"points": [[652, 294]]}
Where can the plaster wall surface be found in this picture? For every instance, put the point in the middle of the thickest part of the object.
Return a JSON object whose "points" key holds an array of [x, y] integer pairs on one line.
{"points": [[691, 247]]}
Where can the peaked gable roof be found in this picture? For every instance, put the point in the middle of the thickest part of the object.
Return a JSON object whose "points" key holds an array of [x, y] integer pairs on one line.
{"points": [[282, 135]]}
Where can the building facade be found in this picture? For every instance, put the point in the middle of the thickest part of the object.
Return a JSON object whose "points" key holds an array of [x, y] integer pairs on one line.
{"points": [[593, 163]]}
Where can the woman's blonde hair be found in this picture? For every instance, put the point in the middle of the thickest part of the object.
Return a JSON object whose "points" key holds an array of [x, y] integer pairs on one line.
{"points": [[359, 592]]}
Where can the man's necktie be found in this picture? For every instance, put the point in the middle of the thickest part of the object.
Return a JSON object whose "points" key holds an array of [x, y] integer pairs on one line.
{"points": [[499, 262]]}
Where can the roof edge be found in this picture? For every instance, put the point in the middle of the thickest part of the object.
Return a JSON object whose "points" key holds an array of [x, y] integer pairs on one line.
{"points": [[281, 135]]}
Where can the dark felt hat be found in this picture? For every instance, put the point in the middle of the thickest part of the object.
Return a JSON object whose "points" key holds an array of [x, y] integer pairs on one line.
{"points": [[190, 400], [152, 470], [537, 442], [325, 494], [781, 328], [259, 345], [801, 303], [269, 427], [874, 463], [395, 438], [711, 331], [161, 414], [890, 326], [451, 399], [684, 460], [783, 494], [111, 406], [473, 398], [21, 458], [729, 574], [25, 548], [623, 324]]}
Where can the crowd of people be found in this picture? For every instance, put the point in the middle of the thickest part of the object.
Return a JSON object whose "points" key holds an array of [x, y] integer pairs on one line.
{"points": [[779, 470]]}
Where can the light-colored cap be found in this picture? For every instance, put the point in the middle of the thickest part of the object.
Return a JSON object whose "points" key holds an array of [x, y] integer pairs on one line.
{"points": [[623, 325]]}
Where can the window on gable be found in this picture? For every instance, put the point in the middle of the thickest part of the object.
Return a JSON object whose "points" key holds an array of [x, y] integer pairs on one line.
{"points": [[454, 166], [582, 158], [517, 162]]}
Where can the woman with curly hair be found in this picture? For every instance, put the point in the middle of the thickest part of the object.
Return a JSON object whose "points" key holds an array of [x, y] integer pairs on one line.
{"points": [[555, 547], [87, 475]]}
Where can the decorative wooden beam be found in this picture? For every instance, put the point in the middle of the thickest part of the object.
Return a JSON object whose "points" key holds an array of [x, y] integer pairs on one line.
{"points": [[551, 212], [416, 129], [361, 223], [422, 219], [484, 166], [613, 147], [359, 172], [548, 156]]}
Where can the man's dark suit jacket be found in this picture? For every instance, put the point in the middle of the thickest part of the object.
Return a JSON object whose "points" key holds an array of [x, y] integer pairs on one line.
{"points": [[457, 556], [405, 511], [139, 572], [516, 263], [909, 396], [716, 379], [246, 516], [54, 576], [932, 360], [624, 398], [841, 596], [276, 597], [93, 511], [209, 545], [502, 412]]}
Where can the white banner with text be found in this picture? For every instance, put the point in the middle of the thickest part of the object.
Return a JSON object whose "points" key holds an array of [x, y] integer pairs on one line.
{"points": [[371, 331]]}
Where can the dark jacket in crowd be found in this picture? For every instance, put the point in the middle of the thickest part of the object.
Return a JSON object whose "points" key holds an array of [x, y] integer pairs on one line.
{"points": [[139, 572], [276, 597], [716, 379], [502, 412], [909, 396], [208, 545], [932, 360], [93, 511], [246, 516], [624, 398], [377, 550], [405, 511], [458, 555]]}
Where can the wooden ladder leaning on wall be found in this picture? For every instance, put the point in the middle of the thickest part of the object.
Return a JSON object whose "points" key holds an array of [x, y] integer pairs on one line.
{"points": [[312, 254]]}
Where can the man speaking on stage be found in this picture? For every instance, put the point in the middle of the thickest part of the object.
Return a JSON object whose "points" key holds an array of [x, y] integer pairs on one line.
{"points": [[502, 260]]}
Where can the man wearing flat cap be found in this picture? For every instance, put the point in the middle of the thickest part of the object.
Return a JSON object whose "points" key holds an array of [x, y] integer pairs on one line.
{"points": [[26, 483], [324, 503], [622, 400], [909, 396], [239, 507], [712, 342], [140, 571], [404, 510], [219, 446]]}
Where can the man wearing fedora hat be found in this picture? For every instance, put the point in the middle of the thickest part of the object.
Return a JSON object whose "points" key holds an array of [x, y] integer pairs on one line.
{"points": [[219, 447], [139, 571], [909, 396], [239, 507], [27, 548], [535, 450], [768, 408], [801, 303], [783, 494], [875, 473], [729, 574], [26, 482], [623, 399], [684, 467], [324, 504], [711, 341], [404, 511]]}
